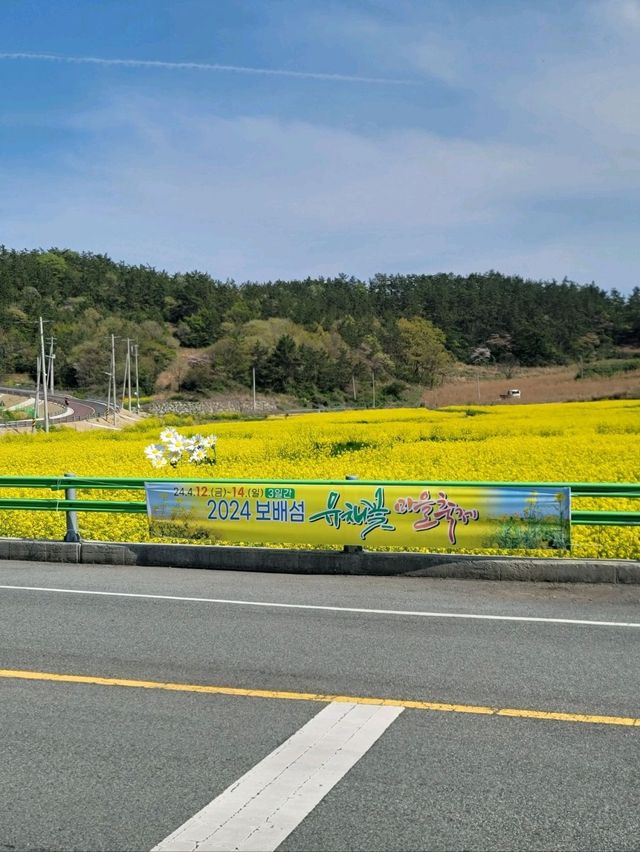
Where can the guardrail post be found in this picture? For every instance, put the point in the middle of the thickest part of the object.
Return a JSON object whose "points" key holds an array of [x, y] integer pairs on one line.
{"points": [[351, 548], [72, 533]]}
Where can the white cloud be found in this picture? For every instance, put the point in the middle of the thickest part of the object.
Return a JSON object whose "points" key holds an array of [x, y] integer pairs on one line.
{"points": [[253, 197], [389, 43], [585, 102], [619, 14], [258, 198], [582, 101], [443, 59]]}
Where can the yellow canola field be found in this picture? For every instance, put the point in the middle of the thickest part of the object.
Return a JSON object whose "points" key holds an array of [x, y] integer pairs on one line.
{"points": [[568, 442]]}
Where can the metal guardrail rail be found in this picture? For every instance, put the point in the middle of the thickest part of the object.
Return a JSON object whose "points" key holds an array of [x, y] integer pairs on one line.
{"points": [[70, 484]]}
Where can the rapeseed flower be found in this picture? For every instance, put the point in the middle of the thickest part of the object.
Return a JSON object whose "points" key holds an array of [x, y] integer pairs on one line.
{"points": [[569, 442]]}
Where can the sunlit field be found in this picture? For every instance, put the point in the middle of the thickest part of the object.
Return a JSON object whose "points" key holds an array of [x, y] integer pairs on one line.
{"points": [[565, 442]]}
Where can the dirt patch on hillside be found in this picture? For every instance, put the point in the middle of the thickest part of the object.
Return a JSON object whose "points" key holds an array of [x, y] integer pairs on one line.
{"points": [[549, 384], [169, 380]]}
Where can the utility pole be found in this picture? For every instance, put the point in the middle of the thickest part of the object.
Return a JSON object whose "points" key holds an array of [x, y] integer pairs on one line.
{"points": [[127, 374], [112, 396], [108, 394], [353, 381], [129, 346], [36, 403], [113, 377], [479, 355], [44, 379], [373, 387], [135, 355], [51, 359], [253, 384]]}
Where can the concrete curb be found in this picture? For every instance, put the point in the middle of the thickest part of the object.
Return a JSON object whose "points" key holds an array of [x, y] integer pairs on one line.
{"points": [[364, 562]]}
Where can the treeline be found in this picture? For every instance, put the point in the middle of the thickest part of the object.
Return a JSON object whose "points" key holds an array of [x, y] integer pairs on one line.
{"points": [[311, 337]]}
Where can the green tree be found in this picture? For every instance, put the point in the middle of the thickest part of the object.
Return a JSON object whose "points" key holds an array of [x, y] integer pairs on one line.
{"points": [[421, 352], [283, 365], [585, 348]]}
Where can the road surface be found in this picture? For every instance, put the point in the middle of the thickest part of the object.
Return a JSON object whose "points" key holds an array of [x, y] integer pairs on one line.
{"points": [[77, 409], [134, 699]]}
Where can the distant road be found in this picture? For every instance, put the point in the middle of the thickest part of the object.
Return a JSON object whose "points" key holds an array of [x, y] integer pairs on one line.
{"points": [[315, 713], [81, 409]]}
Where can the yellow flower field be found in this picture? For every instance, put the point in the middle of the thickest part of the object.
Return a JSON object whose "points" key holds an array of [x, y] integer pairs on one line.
{"points": [[568, 442]]}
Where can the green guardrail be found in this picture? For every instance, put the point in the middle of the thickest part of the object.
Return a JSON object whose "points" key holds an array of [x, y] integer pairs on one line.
{"points": [[70, 484]]}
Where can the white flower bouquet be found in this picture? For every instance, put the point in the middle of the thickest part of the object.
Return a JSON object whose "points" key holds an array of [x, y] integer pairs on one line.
{"points": [[175, 448]]}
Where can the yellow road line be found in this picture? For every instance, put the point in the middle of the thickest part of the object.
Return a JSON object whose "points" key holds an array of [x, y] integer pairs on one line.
{"points": [[312, 696]]}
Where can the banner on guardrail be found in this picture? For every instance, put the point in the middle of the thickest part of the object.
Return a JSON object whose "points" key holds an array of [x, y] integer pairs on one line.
{"points": [[360, 513]]}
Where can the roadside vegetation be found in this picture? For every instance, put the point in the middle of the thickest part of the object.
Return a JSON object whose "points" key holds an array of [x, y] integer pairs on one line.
{"points": [[609, 367]]}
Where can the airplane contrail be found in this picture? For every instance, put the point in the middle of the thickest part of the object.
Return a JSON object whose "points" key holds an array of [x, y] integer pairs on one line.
{"points": [[207, 66]]}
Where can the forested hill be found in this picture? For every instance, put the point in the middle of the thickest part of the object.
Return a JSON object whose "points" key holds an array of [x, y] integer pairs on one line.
{"points": [[306, 335]]}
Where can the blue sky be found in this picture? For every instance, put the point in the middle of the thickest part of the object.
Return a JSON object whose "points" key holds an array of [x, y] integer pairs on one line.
{"points": [[397, 136]]}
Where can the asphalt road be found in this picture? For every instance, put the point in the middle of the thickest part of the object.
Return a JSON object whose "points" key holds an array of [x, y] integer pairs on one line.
{"points": [[81, 409], [87, 765]]}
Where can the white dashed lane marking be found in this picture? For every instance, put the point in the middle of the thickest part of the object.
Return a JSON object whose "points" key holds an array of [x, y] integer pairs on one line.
{"points": [[263, 807]]}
